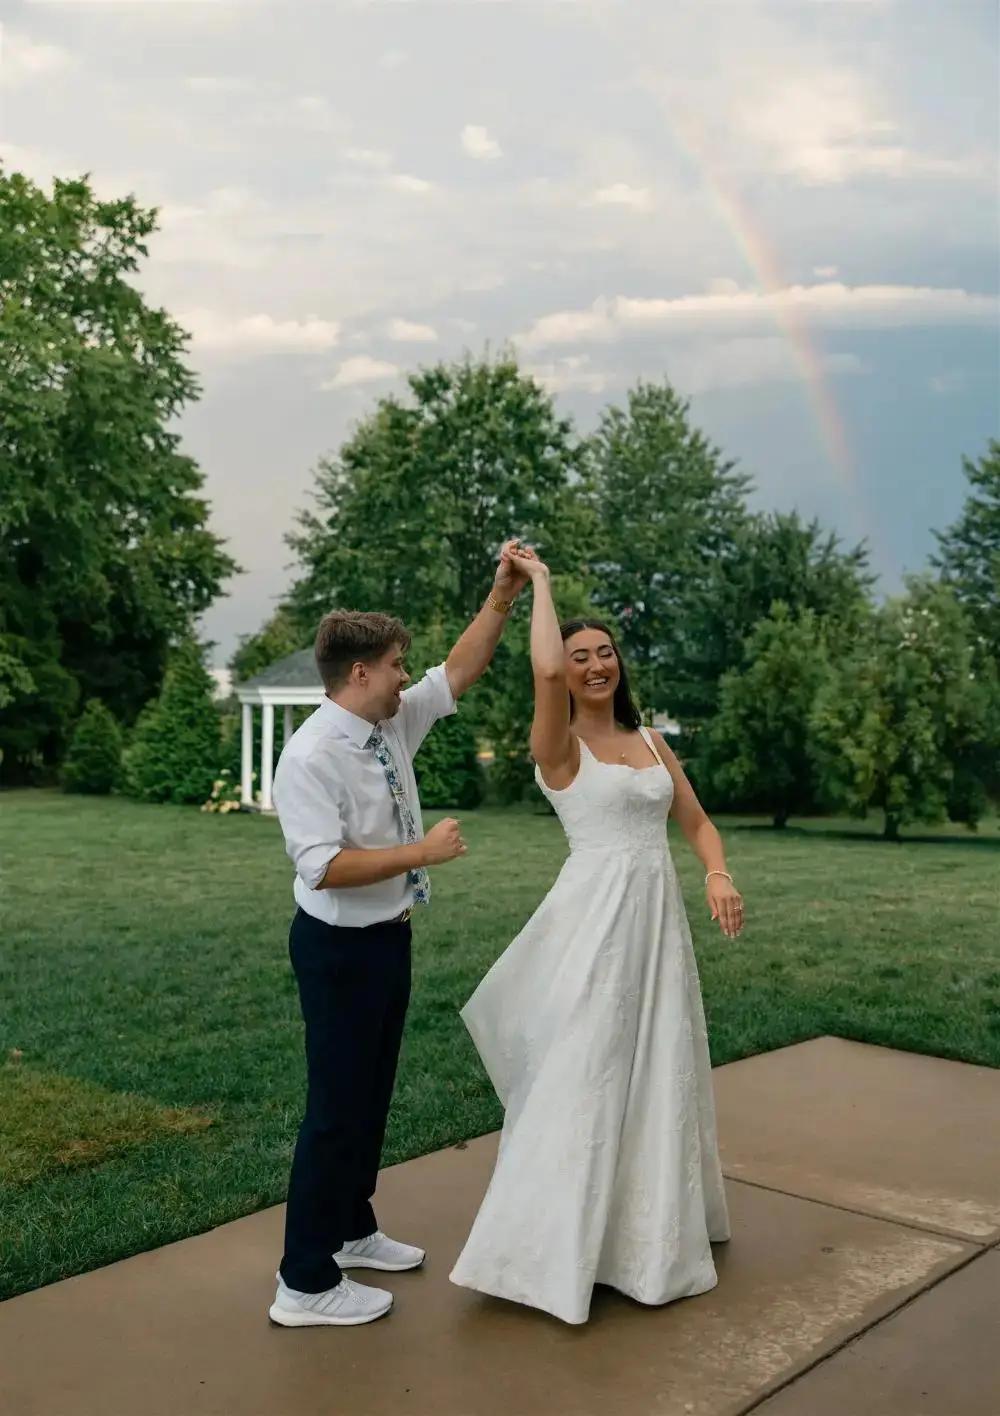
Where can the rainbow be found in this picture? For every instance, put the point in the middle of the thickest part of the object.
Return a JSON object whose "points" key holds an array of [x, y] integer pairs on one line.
{"points": [[763, 258]]}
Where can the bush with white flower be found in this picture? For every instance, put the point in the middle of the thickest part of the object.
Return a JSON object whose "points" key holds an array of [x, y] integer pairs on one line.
{"points": [[226, 795]]}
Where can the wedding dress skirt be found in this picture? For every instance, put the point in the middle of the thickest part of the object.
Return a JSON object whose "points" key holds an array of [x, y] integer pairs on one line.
{"points": [[592, 1030]]}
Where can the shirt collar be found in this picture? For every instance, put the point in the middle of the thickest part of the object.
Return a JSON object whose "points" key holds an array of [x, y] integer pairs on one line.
{"points": [[357, 730]]}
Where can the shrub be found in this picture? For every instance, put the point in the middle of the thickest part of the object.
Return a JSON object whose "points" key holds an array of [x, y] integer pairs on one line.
{"points": [[447, 770], [93, 762], [174, 753]]}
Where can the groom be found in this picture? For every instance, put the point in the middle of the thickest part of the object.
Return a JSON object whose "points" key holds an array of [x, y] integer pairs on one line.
{"points": [[347, 801]]}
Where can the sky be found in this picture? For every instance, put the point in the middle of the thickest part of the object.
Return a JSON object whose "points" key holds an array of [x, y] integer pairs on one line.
{"points": [[789, 208]]}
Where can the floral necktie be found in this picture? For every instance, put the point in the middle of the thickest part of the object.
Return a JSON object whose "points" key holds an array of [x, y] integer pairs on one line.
{"points": [[418, 878]]}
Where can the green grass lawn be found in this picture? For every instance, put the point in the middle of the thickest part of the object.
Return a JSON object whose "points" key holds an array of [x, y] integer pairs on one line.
{"points": [[143, 952]]}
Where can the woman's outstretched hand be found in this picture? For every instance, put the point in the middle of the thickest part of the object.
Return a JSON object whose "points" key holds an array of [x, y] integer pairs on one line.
{"points": [[726, 904]]}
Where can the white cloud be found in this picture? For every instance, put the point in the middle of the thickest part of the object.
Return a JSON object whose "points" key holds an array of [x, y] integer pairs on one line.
{"points": [[477, 143], [368, 157], [827, 126], [315, 112], [405, 332], [220, 83], [621, 194], [723, 285], [393, 59], [22, 60], [361, 369], [35, 164], [251, 335], [479, 282], [229, 228], [175, 215], [569, 374], [834, 165], [827, 272], [153, 4], [404, 182], [827, 306]]}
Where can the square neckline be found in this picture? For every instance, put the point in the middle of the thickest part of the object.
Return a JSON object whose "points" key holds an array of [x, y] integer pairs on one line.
{"points": [[627, 765]]}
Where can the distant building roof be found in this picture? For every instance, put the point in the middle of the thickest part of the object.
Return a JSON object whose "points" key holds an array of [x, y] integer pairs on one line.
{"points": [[296, 670]]}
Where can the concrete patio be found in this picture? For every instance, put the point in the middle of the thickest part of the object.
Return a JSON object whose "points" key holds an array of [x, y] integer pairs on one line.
{"points": [[863, 1279]]}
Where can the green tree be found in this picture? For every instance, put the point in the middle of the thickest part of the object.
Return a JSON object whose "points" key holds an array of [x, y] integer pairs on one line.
{"points": [[777, 556], [175, 751], [93, 762], [759, 741], [279, 636], [105, 555], [771, 557], [38, 698], [670, 508], [447, 768], [412, 512], [969, 558], [901, 716]]}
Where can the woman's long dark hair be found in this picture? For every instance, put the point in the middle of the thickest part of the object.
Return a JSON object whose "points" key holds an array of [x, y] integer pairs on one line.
{"points": [[624, 708]]}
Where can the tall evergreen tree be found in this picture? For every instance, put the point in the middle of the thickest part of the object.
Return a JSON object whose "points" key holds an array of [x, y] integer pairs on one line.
{"points": [[93, 763], [670, 508], [410, 515], [174, 755]]}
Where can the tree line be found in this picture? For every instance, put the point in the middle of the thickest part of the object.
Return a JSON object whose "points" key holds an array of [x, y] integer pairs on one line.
{"points": [[797, 690], [760, 632]]}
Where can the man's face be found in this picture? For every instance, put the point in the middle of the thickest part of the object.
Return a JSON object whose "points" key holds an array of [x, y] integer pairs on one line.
{"points": [[385, 679]]}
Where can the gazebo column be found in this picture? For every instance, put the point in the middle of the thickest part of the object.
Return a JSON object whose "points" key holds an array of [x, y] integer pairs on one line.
{"points": [[246, 756], [288, 726], [267, 758]]}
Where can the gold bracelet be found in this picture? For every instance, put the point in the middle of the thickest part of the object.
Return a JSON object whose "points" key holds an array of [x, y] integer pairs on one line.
{"points": [[719, 872], [502, 607]]}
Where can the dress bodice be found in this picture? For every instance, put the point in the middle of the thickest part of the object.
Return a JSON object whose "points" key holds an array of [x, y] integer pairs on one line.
{"points": [[610, 806]]}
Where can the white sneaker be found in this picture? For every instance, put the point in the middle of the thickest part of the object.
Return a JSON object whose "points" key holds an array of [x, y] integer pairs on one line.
{"points": [[380, 1252], [347, 1305]]}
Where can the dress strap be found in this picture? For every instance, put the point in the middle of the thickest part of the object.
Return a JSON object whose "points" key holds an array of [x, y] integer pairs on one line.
{"points": [[652, 746]]}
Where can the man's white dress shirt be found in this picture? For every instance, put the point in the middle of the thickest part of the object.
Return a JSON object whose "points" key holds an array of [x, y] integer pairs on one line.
{"points": [[331, 792]]}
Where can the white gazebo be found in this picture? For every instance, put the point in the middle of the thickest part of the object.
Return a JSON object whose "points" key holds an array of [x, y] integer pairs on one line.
{"points": [[292, 682]]}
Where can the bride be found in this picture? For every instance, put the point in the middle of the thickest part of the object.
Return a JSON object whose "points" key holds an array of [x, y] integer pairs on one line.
{"points": [[591, 1024]]}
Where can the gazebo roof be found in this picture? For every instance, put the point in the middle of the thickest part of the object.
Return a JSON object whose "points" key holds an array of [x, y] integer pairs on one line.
{"points": [[293, 679], [296, 670]]}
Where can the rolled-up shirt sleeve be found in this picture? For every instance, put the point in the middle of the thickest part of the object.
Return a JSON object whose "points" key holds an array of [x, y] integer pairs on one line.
{"points": [[422, 705], [311, 817]]}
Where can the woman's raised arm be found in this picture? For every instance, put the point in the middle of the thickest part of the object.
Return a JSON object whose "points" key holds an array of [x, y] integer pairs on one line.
{"points": [[551, 740]]}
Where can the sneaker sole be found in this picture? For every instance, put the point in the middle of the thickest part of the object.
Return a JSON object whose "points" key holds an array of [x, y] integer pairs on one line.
{"points": [[349, 1261], [281, 1317]]}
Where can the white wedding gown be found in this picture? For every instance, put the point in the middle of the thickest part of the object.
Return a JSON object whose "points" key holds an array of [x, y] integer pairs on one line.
{"points": [[592, 1030]]}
